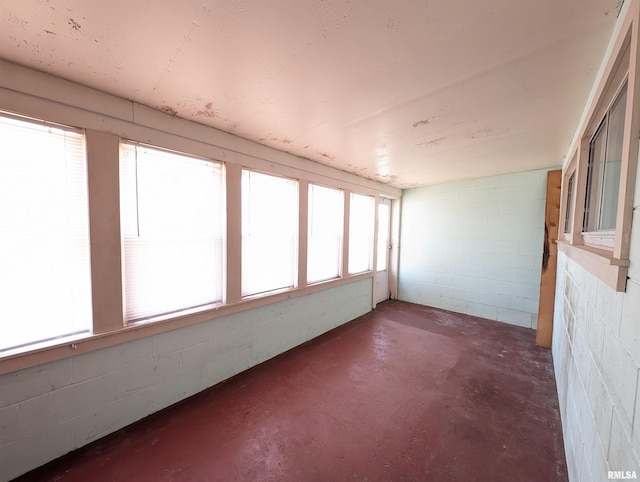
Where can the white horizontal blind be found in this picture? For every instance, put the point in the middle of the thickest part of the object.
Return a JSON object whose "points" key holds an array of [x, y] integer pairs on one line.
{"points": [[361, 220], [269, 233], [44, 241], [324, 240], [172, 218]]}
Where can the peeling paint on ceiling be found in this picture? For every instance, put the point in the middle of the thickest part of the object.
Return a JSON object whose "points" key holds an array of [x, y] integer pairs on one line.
{"points": [[451, 88]]}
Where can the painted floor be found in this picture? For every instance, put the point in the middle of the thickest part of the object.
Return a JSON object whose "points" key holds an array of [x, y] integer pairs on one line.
{"points": [[404, 393]]}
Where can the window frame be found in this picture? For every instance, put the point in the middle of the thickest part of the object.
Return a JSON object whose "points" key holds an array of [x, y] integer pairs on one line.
{"points": [[167, 155], [78, 222], [371, 232], [296, 231], [597, 237], [605, 253], [310, 186]]}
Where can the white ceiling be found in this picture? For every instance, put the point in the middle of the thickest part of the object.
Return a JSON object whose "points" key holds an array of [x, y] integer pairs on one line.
{"points": [[406, 92]]}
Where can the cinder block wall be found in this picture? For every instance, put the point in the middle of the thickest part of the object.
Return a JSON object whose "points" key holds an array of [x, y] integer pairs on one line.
{"points": [[49, 410], [596, 353], [475, 246]]}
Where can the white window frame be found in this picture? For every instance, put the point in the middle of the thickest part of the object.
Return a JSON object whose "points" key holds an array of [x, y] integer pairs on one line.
{"points": [[203, 287], [339, 231], [56, 267], [280, 239], [606, 253]]}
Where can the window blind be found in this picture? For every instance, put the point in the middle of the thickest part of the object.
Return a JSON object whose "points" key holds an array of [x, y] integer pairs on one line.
{"points": [[361, 219], [44, 241], [324, 240], [269, 233], [172, 224]]}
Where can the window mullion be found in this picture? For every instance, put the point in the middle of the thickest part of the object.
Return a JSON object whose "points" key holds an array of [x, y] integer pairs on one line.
{"points": [[345, 233], [233, 257], [104, 214], [303, 220]]}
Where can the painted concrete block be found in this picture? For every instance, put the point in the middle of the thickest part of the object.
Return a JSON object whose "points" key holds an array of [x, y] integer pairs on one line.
{"points": [[61, 405], [599, 465], [635, 428], [620, 374], [630, 322], [102, 362], [29, 452], [482, 310], [583, 358], [136, 375], [113, 416], [609, 305], [621, 455], [9, 426], [514, 317], [601, 403], [501, 273], [195, 356], [595, 334], [172, 390], [451, 304], [528, 276], [634, 251], [31, 382], [179, 339], [470, 270]]}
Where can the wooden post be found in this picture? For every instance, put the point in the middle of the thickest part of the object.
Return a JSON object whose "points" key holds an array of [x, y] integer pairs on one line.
{"points": [[549, 260]]}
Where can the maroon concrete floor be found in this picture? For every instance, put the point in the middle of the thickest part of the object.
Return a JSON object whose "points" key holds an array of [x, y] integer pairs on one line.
{"points": [[405, 393]]}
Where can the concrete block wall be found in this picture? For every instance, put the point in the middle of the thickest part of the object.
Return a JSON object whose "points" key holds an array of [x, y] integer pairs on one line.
{"points": [[47, 411], [475, 246], [596, 354]]}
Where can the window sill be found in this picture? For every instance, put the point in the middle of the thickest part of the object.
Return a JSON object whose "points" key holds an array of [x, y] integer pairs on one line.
{"points": [[599, 262], [38, 354], [604, 239]]}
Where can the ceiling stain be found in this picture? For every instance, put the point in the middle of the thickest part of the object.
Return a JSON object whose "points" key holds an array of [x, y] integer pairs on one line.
{"points": [[434, 141], [207, 111], [420, 123], [277, 139], [484, 132], [386, 178], [391, 23], [74, 25], [327, 156], [168, 110]]}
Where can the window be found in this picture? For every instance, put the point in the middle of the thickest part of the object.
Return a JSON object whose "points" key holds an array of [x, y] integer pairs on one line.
{"points": [[171, 215], [324, 251], [361, 222], [269, 233], [603, 175], [44, 242]]}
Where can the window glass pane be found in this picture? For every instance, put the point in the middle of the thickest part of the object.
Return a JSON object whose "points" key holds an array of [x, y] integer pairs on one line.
{"points": [[603, 176], [44, 241], [569, 209], [269, 233], [383, 235], [361, 219], [172, 232], [611, 175], [324, 241], [596, 161]]}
